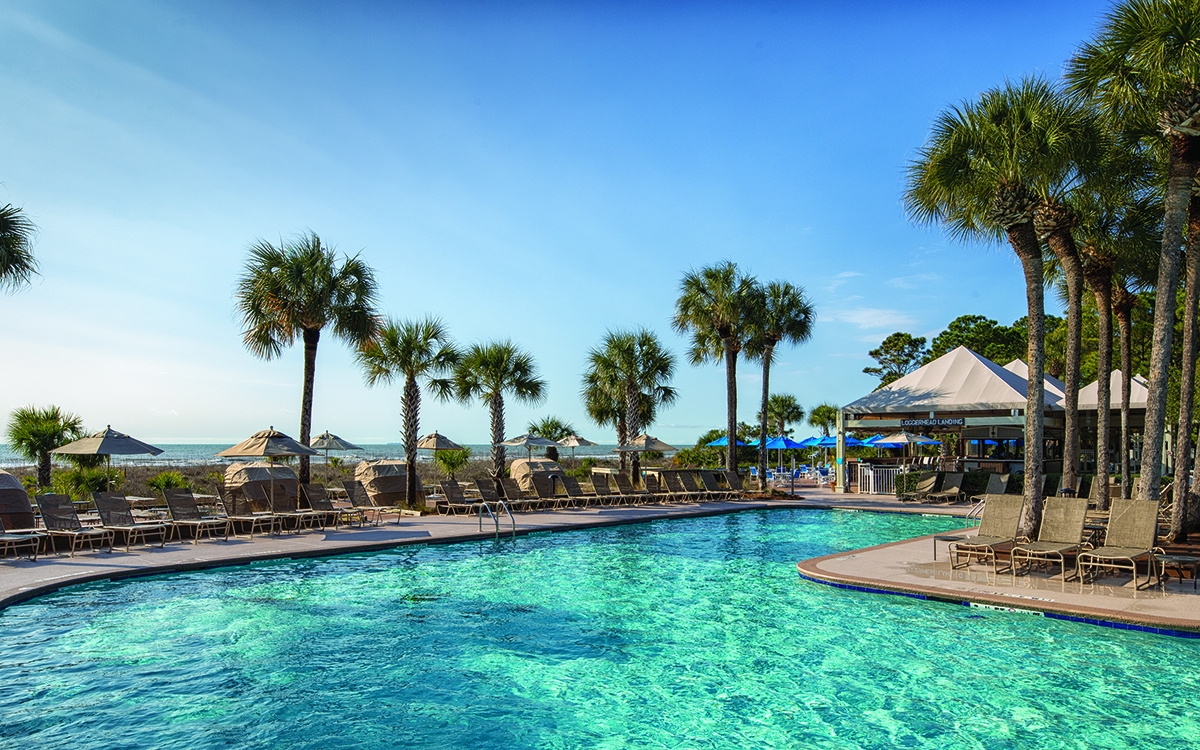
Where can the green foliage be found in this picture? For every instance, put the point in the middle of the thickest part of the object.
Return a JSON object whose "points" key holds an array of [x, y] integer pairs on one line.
{"points": [[79, 484], [898, 354], [551, 428], [17, 264], [707, 458], [452, 461], [1001, 344], [166, 480], [628, 370], [782, 410], [824, 418], [34, 432], [584, 470]]}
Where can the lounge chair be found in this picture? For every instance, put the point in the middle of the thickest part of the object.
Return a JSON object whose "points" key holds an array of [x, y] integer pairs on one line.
{"points": [[61, 521], [361, 499], [515, 497], [655, 488], [734, 481], [951, 491], [997, 485], [30, 542], [543, 487], [1132, 532], [997, 528], [925, 484], [629, 495], [456, 500], [709, 482], [185, 514], [327, 513], [16, 511], [688, 480], [489, 495], [575, 492], [604, 493], [1061, 531], [250, 516], [116, 515], [677, 491], [281, 505]]}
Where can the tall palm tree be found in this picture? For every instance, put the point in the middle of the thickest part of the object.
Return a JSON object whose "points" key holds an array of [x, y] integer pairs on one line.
{"points": [[297, 289], [1142, 70], [636, 365], [34, 432], [824, 417], [980, 176], [715, 305], [1187, 375], [784, 316], [1124, 301], [551, 428], [486, 373], [17, 264], [782, 410], [604, 399], [421, 353]]}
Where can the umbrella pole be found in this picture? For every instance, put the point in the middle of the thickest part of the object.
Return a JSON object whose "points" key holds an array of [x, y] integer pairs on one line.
{"points": [[108, 474]]}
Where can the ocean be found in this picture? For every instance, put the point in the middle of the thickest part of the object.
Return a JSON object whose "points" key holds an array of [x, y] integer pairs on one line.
{"points": [[192, 454]]}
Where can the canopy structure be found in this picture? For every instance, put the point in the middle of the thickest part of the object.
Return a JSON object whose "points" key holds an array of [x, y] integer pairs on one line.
{"points": [[108, 443], [385, 481], [524, 469], [261, 474], [15, 509], [269, 443], [1052, 384], [436, 441], [1139, 393]]}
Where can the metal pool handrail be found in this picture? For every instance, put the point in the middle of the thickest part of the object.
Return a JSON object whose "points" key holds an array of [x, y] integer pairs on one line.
{"points": [[496, 520]]}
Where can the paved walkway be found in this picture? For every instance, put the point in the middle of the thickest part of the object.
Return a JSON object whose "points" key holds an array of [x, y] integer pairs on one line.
{"points": [[22, 579]]}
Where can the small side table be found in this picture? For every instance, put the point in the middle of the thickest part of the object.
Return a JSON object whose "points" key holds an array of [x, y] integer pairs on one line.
{"points": [[1178, 563], [945, 538]]}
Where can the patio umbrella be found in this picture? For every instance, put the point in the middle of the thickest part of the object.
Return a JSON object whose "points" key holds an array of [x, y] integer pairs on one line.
{"points": [[529, 442], [723, 441], [436, 441], [108, 443], [782, 443], [327, 441], [643, 443], [573, 442], [268, 443]]}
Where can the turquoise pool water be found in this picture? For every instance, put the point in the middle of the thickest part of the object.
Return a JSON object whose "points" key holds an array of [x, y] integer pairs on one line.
{"points": [[676, 634]]}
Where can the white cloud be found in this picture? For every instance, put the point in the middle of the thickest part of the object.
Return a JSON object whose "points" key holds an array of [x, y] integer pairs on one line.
{"points": [[914, 281], [873, 317]]}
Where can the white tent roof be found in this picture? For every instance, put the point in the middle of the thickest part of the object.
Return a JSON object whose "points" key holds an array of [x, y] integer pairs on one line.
{"points": [[1053, 384], [959, 380], [1139, 392]]}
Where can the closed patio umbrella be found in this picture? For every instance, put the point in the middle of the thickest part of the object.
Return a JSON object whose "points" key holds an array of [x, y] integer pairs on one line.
{"points": [[268, 443], [108, 443]]}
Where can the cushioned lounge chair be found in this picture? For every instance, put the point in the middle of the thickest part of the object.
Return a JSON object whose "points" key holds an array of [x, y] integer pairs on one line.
{"points": [[1132, 532], [951, 491], [61, 522], [997, 529], [117, 516], [925, 484], [247, 515], [1060, 532], [185, 514], [29, 543]]}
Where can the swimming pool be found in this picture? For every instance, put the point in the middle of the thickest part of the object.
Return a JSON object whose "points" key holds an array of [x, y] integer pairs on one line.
{"points": [[692, 633]]}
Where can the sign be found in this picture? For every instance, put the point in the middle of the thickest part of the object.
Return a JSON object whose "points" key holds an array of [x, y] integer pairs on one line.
{"points": [[956, 422]]}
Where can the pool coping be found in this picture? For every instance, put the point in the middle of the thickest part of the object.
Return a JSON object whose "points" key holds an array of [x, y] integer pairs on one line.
{"points": [[347, 545], [809, 570]]}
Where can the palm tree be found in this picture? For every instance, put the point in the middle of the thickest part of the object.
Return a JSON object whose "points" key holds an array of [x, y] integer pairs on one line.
{"points": [[34, 432], [420, 352], [784, 315], [297, 289], [1141, 70], [487, 372], [782, 409], [715, 306], [824, 417], [17, 264], [635, 365], [1124, 301], [604, 399], [551, 428], [980, 176]]}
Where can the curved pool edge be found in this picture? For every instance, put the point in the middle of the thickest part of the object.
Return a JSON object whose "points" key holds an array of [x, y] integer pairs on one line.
{"points": [[28, 580], [809, 570]]}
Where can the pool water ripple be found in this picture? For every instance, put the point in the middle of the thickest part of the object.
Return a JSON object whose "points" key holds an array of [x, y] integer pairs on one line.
{"points": [[689, 633]]}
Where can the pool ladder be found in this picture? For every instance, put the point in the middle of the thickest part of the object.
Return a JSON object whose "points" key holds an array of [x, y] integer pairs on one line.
{"points": [[495, 519], [975, 515]]}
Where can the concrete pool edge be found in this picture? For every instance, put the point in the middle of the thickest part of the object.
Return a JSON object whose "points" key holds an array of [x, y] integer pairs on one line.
{"points": [[809, 570], [101, 568]]}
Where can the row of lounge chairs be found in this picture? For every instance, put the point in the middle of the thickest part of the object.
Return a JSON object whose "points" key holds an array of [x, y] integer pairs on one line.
{"points": [[1130, 538], [674, 487], [951, 490]]}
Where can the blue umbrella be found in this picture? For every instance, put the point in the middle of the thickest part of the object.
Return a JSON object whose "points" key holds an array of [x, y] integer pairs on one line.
{"points": [[723, 441], [871, 440], [826, 442], [783, 443]]}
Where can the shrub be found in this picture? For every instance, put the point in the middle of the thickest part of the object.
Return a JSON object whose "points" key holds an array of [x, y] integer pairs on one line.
{"points": [[167, 480], [79, 484], [452, 461]]}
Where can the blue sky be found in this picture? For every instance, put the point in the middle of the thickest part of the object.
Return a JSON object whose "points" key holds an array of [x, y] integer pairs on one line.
{"points": [[535, 171]]}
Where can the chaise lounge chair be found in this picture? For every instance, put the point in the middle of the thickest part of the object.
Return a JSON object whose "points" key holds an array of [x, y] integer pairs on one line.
{"points": [[1061, 531], [244, 513], [709, 482], [456, 500], [678, 492], [951, 491], [185, 514], [925, 484], [30, 542], [1001, 517], [580, 498], [1132, 532], [60, 520], [329, 514], [997, 485], [604, 493], [117, 516]]}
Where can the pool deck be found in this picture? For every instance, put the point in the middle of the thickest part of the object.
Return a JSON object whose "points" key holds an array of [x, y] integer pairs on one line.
{"points": [[22, 579]]}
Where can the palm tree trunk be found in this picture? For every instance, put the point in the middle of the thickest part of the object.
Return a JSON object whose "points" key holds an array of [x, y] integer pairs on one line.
{"points": [[412, 429], [633, 426], [43, 473], [622, 439], [1187, 377], [1184, 161], [311, 337], [1062, 243], [768, 352], [1123, 309], [498, 454], [1024, 241], [1102, 287], [730, 403]]}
